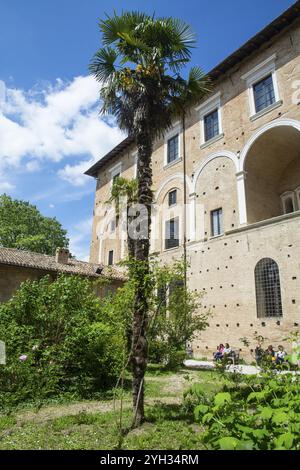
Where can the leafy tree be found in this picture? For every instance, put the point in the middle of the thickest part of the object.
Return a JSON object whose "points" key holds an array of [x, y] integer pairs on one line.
{"points": [[139, 69], [59, 339], [174, 316], [22, 226]]}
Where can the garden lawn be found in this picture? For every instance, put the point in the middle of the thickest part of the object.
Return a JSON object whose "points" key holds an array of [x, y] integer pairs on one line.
{"points": [[95, 424]]}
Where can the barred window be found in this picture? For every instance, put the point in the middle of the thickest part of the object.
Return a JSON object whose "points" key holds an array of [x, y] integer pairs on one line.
{"points": [[268, 292]]}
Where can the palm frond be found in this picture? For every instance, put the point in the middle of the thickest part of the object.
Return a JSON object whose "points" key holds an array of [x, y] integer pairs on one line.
{"points": [[134, 42], [185, 36], [102, 65], [113, 26], [198, 83]]}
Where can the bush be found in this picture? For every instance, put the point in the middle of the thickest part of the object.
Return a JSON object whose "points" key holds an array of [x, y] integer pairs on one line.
{"points": [[58, 340], [260, 413], [175, 315]]}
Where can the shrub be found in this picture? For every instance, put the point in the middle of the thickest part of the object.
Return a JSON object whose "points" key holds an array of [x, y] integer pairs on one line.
{"points": [[260, 413], [58, 339], [174, 315]]}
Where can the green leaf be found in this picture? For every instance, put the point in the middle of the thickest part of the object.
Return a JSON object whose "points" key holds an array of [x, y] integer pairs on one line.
{"points": [[257, 396], [280, 417], [207, 418], [266, 413], [228, 443], [285, 441], [246, 430], [222, 398], [200, 410], [245, 445], [260, 433]]}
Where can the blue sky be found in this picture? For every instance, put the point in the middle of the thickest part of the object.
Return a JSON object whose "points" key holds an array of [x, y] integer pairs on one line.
{"points": [[50, 130]]}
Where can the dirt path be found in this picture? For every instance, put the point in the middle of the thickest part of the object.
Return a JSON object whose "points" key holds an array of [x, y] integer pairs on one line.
{"points": [[173, 384], [49, 413]]}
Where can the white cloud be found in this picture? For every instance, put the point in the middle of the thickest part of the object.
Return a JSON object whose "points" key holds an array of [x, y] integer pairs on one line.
{"points": [[58, 122], [5, 186], [80, 238], [32, 166]]}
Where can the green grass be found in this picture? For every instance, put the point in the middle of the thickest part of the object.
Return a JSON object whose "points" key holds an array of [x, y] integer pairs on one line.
{"points": [[168, 425]]}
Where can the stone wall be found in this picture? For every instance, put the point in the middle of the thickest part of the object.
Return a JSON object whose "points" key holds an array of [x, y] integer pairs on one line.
{"points": [[223, 267]]}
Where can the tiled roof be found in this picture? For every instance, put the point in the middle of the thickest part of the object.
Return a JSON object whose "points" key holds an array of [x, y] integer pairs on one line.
{"points": [[29, 259]]}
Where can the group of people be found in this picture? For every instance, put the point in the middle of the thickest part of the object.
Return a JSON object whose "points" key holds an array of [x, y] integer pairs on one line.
{"points": [[276, 357], [222, 351], [270, 354]]}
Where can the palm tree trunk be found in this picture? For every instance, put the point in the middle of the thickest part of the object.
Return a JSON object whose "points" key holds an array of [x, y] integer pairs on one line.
{"points": [[141, 276]]}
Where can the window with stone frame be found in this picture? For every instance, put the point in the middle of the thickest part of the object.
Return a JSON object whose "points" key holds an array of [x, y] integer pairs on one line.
{"points": [[211, 125], [173, 149], [216, 222], [264, 94]]}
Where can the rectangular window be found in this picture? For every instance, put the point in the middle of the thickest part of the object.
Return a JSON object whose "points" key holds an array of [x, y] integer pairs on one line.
{"points": [[172, 197], [216, 222], [264, 94], [172, 233], [173, 150], [211, 125], [110, 257]]}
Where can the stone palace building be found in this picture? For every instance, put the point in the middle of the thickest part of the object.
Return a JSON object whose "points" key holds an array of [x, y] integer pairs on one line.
{"points": [[243, 192]]}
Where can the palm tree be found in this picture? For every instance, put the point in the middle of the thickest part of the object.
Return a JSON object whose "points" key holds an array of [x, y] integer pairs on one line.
{"points": [[139, 70]]}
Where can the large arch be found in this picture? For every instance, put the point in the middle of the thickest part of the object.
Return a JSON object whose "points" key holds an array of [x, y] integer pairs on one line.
{"points": [[271, 125], [216, 189], [271, 162], [219, 154]]}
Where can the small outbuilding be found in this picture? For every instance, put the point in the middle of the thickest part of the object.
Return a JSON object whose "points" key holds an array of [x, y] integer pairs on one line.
{"points": [[17, 266]]}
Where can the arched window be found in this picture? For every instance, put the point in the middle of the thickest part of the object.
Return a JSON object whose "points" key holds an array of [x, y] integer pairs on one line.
{"points": [[289, 205], [288, 202], [268, 292]]}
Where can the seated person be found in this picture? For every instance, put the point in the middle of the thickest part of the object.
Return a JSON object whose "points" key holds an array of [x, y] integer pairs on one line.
{"points": [[270, 353], [227, 350], [219, 354], [189, 351], [280, 355], [270, 350]]}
